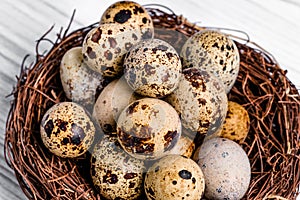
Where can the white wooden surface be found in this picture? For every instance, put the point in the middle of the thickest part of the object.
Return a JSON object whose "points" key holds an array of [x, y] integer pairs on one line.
{"points": [[274, 24]]}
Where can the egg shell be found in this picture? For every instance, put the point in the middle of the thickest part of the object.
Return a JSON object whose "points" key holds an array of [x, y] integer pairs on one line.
{"points": [[80, 84], [131, 14], [104, 48], [148, 128], [226, 168], [152, 68], [111, 102], [236, 125], [185, 147], [201, 101], [174, 177], [215, 52], [115, 174], [67, 130]]}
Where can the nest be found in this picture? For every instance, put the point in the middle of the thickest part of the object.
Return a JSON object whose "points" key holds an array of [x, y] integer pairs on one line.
{"points": [[262, 87]]}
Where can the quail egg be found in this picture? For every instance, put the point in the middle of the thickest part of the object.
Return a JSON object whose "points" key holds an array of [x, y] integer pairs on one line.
{"points": [[152, 68], [104, 48], [67, 130], [129, 13], [185, 147], [174, 177], [201, 101], [111, 101], [236, 125], [80, 84], [226, 168], [115, 174], [148, 128], [215, 52]]}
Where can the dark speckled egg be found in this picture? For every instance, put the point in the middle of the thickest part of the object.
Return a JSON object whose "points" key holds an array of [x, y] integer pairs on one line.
{"points": [[152, 68], [201, 100], [104, 48], [67, 130], [129, 13], [115, 174], [148, 128], [215, 52], [174, 177]]}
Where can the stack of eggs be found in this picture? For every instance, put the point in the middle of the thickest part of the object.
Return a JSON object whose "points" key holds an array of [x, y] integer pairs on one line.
{"points": [[157, 103]]}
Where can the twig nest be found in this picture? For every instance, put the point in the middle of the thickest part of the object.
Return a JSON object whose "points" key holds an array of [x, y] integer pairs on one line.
{"points": [[67, 130], [214, 52]]}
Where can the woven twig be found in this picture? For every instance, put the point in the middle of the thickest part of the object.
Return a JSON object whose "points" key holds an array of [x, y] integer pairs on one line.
{"points": [[262, 87]]}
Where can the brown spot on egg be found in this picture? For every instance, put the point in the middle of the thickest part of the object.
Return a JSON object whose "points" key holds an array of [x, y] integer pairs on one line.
{"points": [[128, 46], [78, 134], [138, 9], [122, 16], [110, 178], [133, 107], [97, 35], [185, 174], [134, 36], [61, 124], [170, 136], [202, 101], [131, 184], [147, 34], [144, 20], [144, 81], [130, 175], [49, 128], [112, 42], [149, 69], [108, 55], [91, 53]]}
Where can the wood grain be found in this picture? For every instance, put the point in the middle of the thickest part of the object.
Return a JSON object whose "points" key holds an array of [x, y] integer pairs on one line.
{"points": [[274, 24]]}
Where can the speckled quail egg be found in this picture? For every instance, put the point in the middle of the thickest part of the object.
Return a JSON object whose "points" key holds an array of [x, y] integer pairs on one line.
{"points": [[236, 125], [185, 147], [215, 52], [129, 13], [104, 48], [80, 84], [115, 174], [152, 68], [201, 101], [148, 128], [67, 130], [174, 177], [226, 168], [111, 101]]}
